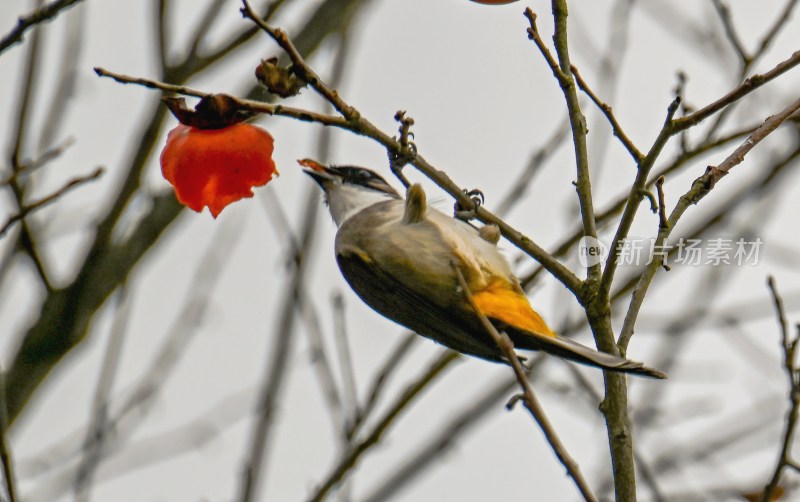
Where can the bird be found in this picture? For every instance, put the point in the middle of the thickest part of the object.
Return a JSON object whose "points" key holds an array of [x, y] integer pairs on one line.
{"points": [[403, 258]]}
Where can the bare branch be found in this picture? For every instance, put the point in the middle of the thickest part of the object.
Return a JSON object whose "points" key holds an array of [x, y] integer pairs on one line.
{"points": [[161, 29], [616, 207], [700, 188], [5, 453], [210, 15], [447, 436], [562, 70], [245, 104], [68, 72], [36, 205], [350, 458], [277, 359], [528, 397], [789, 349], [38, 16], [609, 113], [634, 198], [781, 20], [535, 162], [380, 381], [770, 124], [96, 432], [533, 34], [673, 126], [30, 166], [349, 387], [730, 32], [300, 67], [749, 85], [662, 205]]}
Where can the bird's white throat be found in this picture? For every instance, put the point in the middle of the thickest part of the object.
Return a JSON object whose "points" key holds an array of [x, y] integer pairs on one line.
{"points": [[346, 200]]}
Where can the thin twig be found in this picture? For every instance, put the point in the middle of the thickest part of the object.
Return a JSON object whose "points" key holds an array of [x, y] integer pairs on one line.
{"points": [[349, 387], [31, 165], [662, 204], [535, 162], [533, 34], [5, 452], [27, 240], [730, 32], [562, 71], [652, 199], [610, 72], [211, 14], [756, 190], [300, 67], [278, 356], [64, 92], [244, 104], [447, 436], [161, 29], [319, 361], [609, 113], [781, 20], [98, 427], [770, 124], [25, 101], [749, 85], [699, 189], [380, 381], [351, 457], [38, 16], [528, 397], [671, 127], [615, 208], [789, 349], [38, 204], [634, 198]]}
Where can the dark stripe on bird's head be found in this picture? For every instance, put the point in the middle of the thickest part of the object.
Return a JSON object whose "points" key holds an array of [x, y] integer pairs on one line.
{"points": [[353, 175]]}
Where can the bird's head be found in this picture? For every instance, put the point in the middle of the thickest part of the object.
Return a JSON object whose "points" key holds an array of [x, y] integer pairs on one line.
{"points": [[348, 189]]}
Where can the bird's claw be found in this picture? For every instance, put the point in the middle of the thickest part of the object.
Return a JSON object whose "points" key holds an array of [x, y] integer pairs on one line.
{"points": [[407, 152], [467, 214]]}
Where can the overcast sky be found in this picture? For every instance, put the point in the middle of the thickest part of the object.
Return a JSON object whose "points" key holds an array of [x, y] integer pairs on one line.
{"points": [[483, 100]]}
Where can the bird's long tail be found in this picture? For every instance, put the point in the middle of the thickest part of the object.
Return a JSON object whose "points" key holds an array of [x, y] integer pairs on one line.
{"points": [[508, 309], [574, 351]]}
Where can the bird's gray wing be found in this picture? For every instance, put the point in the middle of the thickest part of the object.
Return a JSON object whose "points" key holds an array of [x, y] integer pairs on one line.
{"points": [[393, 297]]}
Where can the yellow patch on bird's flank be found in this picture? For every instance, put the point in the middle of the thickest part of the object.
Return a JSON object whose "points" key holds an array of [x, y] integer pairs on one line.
{"points": [[502, 302]]}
